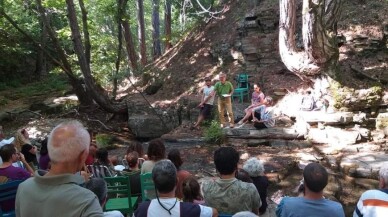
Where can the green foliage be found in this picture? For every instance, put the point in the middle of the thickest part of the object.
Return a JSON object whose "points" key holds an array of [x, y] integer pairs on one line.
{"points": [[104, 141], [214, 133]]}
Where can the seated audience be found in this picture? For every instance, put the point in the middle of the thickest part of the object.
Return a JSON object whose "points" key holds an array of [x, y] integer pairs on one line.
{"points": [[257, 100], [266, 119], [92, 154], [156, 152], [99, 188], [164, 175], [133, 172], [4, 141], [243, 175], [59, 192], [221, 193], [175, 157], [138, 147], [373, 203], [44, 160], [102, 158], [312, 203], [255, 169], [192, 191], [9, 155], [22, 143]]}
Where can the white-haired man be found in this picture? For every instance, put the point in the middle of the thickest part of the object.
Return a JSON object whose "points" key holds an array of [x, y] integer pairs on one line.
{"points": [[58, 192], [374, 203]]}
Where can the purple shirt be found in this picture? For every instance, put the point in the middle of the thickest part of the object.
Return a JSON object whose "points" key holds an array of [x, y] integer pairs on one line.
{"points": [[12, 173], [44, 161], [257, 97]]}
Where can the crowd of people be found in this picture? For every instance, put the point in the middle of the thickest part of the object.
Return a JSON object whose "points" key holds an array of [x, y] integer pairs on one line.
{"points": [[259, 112], [59, 187]]}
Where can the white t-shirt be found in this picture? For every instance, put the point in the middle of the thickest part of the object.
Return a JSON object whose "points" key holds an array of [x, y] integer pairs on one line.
{"points": [[206, 92], [113, 214], [155, 209]]}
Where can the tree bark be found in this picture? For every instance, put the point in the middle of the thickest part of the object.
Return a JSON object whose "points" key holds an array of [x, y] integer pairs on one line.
{"points": [[97, 92], [167, 24], [76, 83], [141, 32], [120, 13], [157, 51], [319, 36], [132, 58]]}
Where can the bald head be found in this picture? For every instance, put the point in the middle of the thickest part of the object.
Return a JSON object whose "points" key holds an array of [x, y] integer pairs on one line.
{"points": [[67, 141]]}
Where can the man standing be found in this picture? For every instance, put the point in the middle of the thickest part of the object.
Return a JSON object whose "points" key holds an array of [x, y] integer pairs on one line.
{"points": [[228, 194], [164, 175], [206, 104], [312, 203], [58, 192], [374, 203], [224, 90]]}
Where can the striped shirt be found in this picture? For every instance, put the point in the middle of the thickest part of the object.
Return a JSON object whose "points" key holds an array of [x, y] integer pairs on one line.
{"points": [[372, 203]]}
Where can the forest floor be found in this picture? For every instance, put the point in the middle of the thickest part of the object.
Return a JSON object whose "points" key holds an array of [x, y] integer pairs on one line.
{"points": [[190, 60]]}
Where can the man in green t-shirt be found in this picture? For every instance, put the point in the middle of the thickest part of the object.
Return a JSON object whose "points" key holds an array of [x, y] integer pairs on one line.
{"points": [[224, 90]]}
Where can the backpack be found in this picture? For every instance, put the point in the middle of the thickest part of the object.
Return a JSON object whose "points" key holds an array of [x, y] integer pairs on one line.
{"points": [[308, 103]]}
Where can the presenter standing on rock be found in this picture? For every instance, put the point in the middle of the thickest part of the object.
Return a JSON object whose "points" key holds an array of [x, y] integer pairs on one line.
{"points": [[224, 90]]}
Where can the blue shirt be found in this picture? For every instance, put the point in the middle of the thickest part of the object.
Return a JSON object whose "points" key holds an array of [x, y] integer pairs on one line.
{"points": [[301, 207]]}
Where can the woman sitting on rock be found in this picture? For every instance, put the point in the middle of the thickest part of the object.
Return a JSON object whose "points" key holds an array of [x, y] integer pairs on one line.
{"points": [[266, 119]]}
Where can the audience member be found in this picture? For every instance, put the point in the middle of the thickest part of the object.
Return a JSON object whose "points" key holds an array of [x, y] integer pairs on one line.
{"points": [[156, 151], [22, 143], [266, 117], [99, 188], [133, 172], [138, 147], [207, 101], [373, 203], [192, 191], [224, 90], [313, 203], [44, 159], [92, 154], [9, 155], [257, 100], [58, 192], [164, 175], [255, 169], [102, 158], [4, 141], [221, 193], [175, 157], [243, 175]]}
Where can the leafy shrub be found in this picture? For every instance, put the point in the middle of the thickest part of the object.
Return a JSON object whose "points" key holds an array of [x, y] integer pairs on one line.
{"points": [[214, 134], [104, 141]]}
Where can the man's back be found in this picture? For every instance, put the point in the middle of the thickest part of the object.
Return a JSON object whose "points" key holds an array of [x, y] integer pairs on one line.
{"points": [[231, 195], [58, 195], [372, 203], [301, 207]]}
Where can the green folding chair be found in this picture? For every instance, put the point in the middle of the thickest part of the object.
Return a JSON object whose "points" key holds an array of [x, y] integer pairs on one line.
{"points": [[147, 187], [242, 87], [121, 188]]}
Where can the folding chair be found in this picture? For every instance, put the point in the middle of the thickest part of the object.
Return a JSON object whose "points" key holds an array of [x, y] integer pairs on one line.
{"points": [[120, 185], [7, 195], [99, 171], [147, 187], [242, 87]]}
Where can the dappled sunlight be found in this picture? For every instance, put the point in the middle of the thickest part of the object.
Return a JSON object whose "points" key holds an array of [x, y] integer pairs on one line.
{"points": [[65, 99], [372, 31]]}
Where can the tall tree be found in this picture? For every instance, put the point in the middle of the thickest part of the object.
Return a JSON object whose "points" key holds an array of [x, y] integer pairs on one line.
{"points": [[167, 24], [319, 32], [132, 58], [141, 32], [157, 51]]}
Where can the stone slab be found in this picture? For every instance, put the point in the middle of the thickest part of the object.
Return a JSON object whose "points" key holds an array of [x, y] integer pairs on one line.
{"points": [[365, 164]]}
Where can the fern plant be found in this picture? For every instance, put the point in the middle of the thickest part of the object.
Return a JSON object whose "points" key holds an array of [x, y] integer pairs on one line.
{"points": [[214, 133]]}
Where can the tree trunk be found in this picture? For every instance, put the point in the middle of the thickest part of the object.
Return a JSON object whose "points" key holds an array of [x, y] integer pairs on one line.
{"points": [[97, 92], [41, 63], [319, 37], [157, 51], [80, 91], [167, 24], [120, 12], [141, 32], [132, 59]]}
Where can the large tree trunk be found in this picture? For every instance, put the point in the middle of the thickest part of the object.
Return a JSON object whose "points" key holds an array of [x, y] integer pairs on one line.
{"points": [[41, 63], [167, 24], [80, 91], [319, 36], [120, 13], [157, 51], [132, 59], [97, 92], [141, 32]]}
